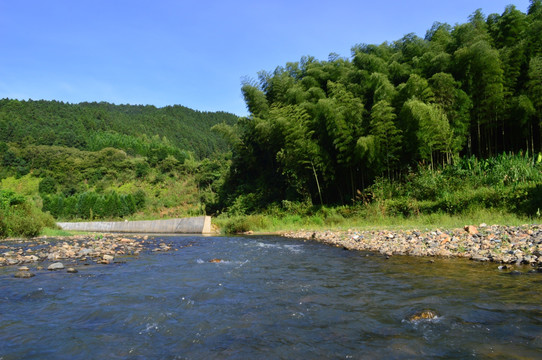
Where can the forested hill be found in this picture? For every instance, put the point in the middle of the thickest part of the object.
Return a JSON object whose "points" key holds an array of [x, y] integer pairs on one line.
{"points": [[92, 126], [327, 129]]}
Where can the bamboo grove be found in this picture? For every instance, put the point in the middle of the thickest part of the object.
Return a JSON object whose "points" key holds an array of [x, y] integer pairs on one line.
{"points": [[324, 130]]}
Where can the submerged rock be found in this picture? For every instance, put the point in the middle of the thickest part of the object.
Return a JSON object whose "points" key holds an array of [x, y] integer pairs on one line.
{"points": [[423, 315], [23, 274]]}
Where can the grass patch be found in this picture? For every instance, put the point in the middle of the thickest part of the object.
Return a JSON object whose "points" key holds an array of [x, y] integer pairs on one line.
{"points": [[264, 223], [51, 232]]}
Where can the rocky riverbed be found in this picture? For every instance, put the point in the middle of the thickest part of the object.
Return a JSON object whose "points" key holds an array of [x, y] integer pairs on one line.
{"points": [[69, 253], [518, 245]]}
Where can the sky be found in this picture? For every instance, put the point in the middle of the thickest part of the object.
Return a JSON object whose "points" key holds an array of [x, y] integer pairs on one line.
{"points": [[193, 53]]}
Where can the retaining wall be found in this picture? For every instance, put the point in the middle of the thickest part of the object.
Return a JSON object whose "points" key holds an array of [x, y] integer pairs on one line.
{"points": [[194, 225]]}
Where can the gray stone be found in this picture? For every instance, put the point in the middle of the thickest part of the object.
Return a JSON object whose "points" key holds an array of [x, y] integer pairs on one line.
{"points": [[56, 266], [72, 270]]}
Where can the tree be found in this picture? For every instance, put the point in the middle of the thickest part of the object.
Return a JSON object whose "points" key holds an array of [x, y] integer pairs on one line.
{"points": [[386, 135], [534, 87], [482, 77], [431, 128]]}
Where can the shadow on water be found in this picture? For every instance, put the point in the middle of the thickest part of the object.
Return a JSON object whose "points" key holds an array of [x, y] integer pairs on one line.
{"points": [[274, 298]]}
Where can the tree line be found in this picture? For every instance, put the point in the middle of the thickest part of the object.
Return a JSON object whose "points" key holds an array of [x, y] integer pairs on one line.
{"points": [[323, 131]]}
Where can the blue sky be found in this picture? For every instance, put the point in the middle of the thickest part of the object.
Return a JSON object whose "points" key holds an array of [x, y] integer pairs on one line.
{"points": [[192, 53]]}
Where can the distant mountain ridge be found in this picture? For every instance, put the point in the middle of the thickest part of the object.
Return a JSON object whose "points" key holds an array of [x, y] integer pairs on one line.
{"points": [[43, 122]]}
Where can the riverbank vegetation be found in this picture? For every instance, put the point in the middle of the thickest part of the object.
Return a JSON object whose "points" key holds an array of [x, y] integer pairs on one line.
{"points": [[430, 130]]}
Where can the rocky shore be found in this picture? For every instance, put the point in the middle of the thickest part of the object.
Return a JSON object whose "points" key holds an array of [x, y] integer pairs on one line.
{"points": [[70, 253], [518, 245]]}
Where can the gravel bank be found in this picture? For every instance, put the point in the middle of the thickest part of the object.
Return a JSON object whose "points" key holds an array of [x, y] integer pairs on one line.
{"points": [[501, 244], [53, 253]]}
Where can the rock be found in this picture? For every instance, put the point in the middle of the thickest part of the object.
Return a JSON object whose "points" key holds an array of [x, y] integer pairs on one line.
{"points": [[109, 258], [479, 258], [423, 315], [503, 267], [85, 252], [514, 273], [72, 270], [471, 229], [23, 274], [56, 266], [215, 260], [23, 268]]}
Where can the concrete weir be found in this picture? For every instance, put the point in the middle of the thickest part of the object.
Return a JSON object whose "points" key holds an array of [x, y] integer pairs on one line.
{"points": [[193, 225]]}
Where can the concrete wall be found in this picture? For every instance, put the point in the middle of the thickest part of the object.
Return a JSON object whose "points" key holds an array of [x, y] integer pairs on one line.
{"points": [[195, 225]]}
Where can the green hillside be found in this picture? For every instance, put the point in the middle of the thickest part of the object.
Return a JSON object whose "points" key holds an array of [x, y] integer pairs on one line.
{"points": [[88, 126], [104, 161]]}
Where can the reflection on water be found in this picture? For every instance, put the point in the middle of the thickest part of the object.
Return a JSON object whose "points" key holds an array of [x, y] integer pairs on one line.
{"points": [[272, 298]]}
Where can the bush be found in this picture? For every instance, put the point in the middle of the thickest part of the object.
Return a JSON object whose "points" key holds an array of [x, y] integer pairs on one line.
{"points": [[19, 217], [241, 224]]}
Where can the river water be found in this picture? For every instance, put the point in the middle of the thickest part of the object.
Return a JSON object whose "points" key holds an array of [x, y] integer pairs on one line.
{"points": [[270, 298]]}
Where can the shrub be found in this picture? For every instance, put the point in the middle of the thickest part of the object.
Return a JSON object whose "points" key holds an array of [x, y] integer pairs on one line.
{"points": [[19, 217]]}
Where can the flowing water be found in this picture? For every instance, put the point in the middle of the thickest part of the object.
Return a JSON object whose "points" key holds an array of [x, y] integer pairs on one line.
{"points": [[270, 298]]}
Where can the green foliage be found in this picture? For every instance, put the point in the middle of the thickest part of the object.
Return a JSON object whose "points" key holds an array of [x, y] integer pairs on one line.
{"points": [[91, 205], [155, 149], [48, 185], [510, 183], [20, 217]]}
